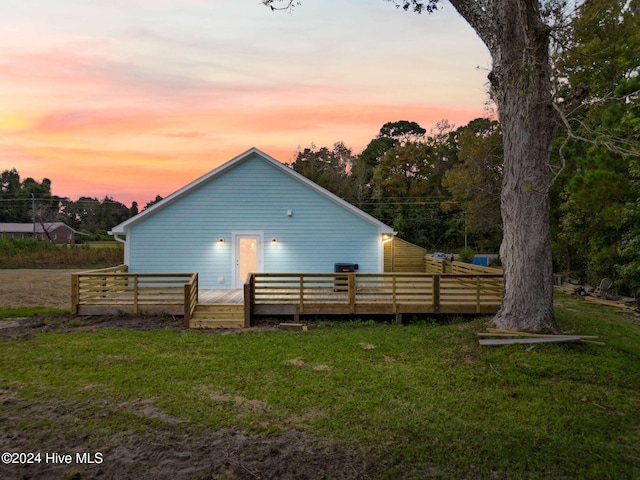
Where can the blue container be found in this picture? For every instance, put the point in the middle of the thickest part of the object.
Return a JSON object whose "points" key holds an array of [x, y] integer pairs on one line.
{"points": [[483, 261]]}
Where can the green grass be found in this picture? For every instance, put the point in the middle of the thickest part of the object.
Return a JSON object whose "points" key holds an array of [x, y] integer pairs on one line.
{"points": [[422, 396], [28, 311]]}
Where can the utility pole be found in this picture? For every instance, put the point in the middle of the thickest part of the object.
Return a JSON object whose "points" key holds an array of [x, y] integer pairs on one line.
{"points": [[465, 229], [33, 213]]}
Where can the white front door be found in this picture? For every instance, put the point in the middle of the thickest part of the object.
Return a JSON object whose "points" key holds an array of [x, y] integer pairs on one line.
{"points": [[247, 256]]}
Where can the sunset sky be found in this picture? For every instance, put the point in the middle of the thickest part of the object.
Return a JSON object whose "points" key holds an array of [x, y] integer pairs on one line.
{"points": [[135, 98]]}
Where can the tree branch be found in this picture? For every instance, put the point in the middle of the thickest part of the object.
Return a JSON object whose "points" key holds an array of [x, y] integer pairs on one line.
{"points": [[289, 4], [610, 143]]}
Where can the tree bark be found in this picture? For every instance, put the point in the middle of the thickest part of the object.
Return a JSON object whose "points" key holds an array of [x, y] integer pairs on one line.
{"points": [[520, 79]]}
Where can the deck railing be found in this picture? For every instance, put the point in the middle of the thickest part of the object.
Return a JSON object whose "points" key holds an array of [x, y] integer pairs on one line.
{"points": [[373, 293], [115, 290]]}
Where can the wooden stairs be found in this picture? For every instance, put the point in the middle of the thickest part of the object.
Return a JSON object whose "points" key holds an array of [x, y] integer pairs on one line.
{"points": [[218, 315]]}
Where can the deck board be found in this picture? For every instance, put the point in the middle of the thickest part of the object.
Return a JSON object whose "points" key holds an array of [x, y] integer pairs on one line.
{"points": [[221, 296]]}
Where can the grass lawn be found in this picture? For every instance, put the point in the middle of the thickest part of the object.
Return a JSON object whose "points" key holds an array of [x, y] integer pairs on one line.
{"points": [[421, 401]]}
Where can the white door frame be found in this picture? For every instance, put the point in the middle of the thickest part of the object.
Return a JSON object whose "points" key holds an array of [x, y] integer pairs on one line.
{"points": [[237, 282]]}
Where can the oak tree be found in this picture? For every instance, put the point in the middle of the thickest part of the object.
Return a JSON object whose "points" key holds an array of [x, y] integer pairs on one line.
{"points": [[518, 38]]}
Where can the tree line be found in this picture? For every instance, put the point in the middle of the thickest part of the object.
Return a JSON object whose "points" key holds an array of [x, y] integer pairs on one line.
{"points": [[27, 200]]}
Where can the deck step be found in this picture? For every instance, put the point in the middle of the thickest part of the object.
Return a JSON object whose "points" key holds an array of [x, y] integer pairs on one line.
{"points": [[220, 315]]}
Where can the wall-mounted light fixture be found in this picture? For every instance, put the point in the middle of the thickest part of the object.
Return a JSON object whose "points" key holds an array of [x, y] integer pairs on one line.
{"points": [[221, 241], [386, 237], [274, 241]]}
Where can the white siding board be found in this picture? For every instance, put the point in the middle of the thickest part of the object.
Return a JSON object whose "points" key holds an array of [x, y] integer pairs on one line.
{"points": [[252, 196]]}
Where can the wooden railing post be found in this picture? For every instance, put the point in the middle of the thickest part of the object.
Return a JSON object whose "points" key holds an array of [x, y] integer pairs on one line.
{"points": [[249, 299], [301, 294], [351, 289], [394, 306], [135, 294], [187, 304], [478, 290], [436, 293]]}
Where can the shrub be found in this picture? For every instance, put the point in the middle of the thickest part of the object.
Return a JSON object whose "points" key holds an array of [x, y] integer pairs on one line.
{"points": [[466, 255], [32, 253]]}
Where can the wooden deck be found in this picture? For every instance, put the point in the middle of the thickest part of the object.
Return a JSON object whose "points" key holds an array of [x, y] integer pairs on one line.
{"points": [[286, 294], [372, 293], [221, 296]]}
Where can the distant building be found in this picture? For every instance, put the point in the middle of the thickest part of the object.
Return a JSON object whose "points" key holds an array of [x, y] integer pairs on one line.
{"points": [[56, 232]]}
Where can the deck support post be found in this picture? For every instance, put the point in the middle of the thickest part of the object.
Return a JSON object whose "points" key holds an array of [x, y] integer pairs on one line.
{"points": [[436, 293], [248, 301], [399, 318], [75, 295], [187, 304]]}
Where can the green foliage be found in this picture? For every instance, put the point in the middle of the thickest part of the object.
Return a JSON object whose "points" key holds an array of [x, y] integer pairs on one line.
{"points": [[466, 255], [22, 200], [18, 246], [628, 266], [327, 168], [93, 215], [417, 400], [31, 253], [475, 181], [594, 197], [403, 131], [408, 192]]}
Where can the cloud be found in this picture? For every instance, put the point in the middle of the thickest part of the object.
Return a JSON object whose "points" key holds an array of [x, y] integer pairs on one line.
{"points": [[185, 135], [131, 98]]}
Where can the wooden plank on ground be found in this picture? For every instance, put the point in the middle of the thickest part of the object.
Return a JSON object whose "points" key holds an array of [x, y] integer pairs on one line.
{"points": [[511, 341], [526, 334], [607, 303]]}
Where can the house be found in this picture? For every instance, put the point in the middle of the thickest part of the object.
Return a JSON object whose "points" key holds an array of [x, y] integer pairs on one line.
{"points": [[252, 214], [56, 232]]}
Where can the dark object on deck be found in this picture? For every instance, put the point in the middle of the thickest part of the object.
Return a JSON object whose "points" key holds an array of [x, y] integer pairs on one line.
{"points": [[341, 282], [345, 267]]}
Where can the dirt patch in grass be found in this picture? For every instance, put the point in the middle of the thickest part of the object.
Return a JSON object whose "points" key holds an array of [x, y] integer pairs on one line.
{"points": [[35, 288], [165, 450], [66, 322]]}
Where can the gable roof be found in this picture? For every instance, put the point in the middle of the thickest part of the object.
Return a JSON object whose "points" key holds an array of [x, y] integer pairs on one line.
{"points": [[122, 228]]}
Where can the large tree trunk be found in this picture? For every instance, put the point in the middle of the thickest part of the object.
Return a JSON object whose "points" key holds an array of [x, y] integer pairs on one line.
{"points": [[521, 87]]}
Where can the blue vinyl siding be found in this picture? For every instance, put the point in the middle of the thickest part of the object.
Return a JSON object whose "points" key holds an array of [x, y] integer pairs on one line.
{"points": [[253, 196]]}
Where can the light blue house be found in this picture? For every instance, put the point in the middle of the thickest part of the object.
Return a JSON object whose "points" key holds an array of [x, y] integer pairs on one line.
{"points": [[252, 214]]}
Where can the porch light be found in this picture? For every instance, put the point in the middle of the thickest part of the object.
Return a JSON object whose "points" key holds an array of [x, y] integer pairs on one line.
{"points": [[221, 241], [274, 241], [386, 237]]}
